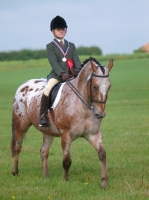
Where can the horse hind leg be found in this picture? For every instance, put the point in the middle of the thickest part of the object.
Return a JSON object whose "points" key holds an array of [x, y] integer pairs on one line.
{"points": [[16, 143], [44, 152]]}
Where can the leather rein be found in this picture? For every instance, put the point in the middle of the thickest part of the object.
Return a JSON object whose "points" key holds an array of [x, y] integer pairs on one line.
{"points": [[90, 105]]}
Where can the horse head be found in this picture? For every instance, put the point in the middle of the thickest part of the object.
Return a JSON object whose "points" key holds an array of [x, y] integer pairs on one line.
{"points": [[98, 85]]}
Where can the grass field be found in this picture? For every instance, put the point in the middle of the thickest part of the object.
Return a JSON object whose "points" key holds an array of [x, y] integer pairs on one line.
{"points": [[125, 137]]}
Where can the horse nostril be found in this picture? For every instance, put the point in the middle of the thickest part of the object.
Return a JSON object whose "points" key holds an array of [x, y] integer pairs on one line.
{"points": [[98, 116]]}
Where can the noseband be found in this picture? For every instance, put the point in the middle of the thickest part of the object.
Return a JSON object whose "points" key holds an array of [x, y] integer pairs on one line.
{"points": [[90, 105]]}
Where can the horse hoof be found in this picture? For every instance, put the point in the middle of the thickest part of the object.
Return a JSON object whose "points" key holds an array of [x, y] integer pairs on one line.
{"points": [[46, 176], [104, 184], [65, 179], [15, 173]]}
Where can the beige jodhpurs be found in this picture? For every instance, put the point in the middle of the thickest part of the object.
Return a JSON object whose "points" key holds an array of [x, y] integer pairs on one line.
{"points": [[50, 84]]}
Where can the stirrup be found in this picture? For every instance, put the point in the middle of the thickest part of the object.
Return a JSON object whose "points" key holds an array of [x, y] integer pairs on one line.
{"points": [[43, 121]]}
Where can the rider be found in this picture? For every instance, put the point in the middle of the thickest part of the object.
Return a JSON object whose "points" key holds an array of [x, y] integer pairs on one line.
{"points": [[64, 61]]}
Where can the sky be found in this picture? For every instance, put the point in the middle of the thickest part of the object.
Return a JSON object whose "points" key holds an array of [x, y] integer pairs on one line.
{"points": [[115, 26]]}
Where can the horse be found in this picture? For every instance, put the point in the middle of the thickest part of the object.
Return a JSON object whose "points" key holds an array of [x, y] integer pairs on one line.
{"points": [[78, 113]]}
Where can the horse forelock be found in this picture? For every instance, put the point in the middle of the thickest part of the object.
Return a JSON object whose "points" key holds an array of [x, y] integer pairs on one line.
{"points": [[104, 82], [98, 64]]}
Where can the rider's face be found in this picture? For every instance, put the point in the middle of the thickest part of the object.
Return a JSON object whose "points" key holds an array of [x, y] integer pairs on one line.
{"points": [[59, 32]]}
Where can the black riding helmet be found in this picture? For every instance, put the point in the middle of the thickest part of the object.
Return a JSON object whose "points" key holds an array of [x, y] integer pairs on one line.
{"points": [[58, 22]]}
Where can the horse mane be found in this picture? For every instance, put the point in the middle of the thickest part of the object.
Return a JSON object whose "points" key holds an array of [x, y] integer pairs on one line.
{"points": [[94, 60]]}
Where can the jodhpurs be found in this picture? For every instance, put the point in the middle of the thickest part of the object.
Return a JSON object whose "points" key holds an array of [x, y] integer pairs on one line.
{"points": [[50, 84]]}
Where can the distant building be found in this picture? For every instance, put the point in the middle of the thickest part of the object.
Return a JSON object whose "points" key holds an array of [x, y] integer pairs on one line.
{"points": [[144, 48]]}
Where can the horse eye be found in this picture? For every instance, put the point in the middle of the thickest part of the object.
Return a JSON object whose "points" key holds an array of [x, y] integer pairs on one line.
{"points": [[95, 88]]}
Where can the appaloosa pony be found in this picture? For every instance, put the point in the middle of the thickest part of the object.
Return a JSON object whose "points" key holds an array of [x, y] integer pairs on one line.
{"points": [[77, 112]]}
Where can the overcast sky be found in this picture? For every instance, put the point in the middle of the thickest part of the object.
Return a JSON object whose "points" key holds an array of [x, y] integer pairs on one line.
{"points": [[116, 26]]}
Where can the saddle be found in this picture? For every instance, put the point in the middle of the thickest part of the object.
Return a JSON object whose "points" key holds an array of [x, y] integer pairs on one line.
{"points": [[53, 94]]}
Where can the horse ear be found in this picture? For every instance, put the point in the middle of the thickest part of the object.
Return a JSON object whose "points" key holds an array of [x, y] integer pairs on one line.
{"points": [[94, 67], [110, 65]]}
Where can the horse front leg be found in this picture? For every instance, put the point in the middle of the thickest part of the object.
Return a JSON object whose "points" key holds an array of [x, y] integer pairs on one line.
{"points": [[96, 141], [44, 152], [104, 175], [66, 143]]}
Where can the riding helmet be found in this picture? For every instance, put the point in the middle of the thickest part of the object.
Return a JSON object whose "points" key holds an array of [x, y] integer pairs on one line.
{"points": [[58, 22]]}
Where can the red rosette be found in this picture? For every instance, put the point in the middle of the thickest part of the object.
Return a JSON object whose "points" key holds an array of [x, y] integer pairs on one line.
{"points": [[69, 63]]}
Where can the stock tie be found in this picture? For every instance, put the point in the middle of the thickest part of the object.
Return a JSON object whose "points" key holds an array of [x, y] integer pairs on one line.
{"points": [[62, 43]]}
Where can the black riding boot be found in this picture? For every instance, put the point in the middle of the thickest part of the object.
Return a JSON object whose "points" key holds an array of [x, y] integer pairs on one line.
{"points": [[44, 121]]}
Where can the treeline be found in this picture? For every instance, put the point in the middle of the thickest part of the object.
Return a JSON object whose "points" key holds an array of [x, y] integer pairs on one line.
{"points": [[27, 54], [140, 50], [93, 50], [24, 54]]}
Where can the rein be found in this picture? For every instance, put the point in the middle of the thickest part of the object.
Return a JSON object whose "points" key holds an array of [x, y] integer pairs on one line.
{"points": [[90, 105], [78, 94]]}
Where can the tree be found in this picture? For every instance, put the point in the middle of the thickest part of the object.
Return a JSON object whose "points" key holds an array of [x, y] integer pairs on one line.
{"points": [[93, 50]]}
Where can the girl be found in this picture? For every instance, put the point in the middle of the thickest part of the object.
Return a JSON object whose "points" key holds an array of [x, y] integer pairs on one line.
{"points": [[64, 61]]}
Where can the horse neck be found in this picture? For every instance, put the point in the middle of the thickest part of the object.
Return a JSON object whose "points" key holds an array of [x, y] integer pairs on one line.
{"points": [[82, 80]]}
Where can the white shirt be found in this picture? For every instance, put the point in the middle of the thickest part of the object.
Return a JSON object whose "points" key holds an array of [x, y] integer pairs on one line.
{"points": [[60, 40]]}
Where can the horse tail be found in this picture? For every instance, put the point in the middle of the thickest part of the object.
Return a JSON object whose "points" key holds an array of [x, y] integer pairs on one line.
{"points": [[13, 138]]}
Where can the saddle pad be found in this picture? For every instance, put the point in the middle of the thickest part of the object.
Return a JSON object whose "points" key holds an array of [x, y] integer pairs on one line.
{"points": [[57, 97]]}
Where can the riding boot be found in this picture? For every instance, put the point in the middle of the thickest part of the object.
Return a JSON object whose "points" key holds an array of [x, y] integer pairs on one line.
{"points": [[44, 121]]}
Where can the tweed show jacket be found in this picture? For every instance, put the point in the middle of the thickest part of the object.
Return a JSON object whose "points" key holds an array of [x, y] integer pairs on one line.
{"points": [[55, 56]]}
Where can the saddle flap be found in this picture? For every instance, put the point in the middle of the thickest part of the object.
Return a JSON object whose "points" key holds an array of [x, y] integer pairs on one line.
{"points": [[53, 94]]}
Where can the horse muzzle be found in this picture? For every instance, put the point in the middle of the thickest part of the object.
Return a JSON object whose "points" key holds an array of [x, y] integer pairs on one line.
{"points": [[99, 116]]}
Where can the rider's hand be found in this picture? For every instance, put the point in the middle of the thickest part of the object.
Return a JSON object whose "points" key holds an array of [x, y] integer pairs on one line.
{"points": [[76, 73], [64, 76]]}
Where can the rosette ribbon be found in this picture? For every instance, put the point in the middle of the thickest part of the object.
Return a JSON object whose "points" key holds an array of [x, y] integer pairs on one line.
{"points": [[69, 63]]}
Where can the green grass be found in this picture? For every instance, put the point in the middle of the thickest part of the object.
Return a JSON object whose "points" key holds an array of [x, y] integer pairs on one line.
{"points": [[125, 137]]}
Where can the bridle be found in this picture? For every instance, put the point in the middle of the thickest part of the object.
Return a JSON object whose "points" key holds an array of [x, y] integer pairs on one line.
{"points": [[91, 96], [90, 105]]}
